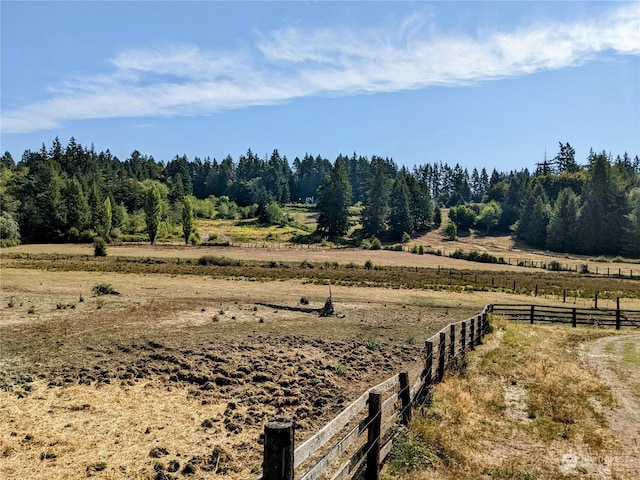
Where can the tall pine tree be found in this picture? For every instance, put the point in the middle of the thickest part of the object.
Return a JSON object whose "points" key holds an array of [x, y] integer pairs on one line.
{"points": [[563, 227], [400, 220], [334, 198]]}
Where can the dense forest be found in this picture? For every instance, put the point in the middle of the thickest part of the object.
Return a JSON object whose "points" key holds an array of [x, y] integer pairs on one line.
{"points": [[74, 194]]}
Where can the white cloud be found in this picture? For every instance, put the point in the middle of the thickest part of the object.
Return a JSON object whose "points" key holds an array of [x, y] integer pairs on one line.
{"points": [[292, 63]]}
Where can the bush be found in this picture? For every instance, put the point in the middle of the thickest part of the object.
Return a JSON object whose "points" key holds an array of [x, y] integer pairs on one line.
{"points": [[375, 244], [406, 238], [99, 247], [104, 289], [554, 266], [87, 236], [450, 231], [194, 238], [475, 256], [368, 265], [219, 261]]}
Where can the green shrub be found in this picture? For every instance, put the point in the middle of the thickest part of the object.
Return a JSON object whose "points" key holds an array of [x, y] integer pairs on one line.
{"points": [[406, 238], [368, 265], [100, 247], [475, 256], [450, 231], [375, 244], [219, 261]]}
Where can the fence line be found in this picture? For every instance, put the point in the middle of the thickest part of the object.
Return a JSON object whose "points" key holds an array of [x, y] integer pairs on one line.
{"points": [[382, 409], [378, 412], [576, 316]]}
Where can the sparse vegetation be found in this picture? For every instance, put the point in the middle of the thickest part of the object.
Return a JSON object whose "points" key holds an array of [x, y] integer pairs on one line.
{"points": [[104, 289], [550, 400]]}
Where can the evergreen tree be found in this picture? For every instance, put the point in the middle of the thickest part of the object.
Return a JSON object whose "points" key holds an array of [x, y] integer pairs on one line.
{"points": [[513, 199], [631, 238], [420, 203], [187, 219], [400, 220], [43, 213], [603, 215], [153, 212], [95, 206], [77, 206], [566, 159], [562, 232], [334, 198], [437, 217], [534, 218], [375, 209], [106, 218]]}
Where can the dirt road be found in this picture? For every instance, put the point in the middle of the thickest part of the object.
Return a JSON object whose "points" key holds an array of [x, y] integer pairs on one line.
{"points": [[616, 360]]}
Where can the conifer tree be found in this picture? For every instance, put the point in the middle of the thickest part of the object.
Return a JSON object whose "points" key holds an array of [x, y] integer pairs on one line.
{"points": [[375, 211], [400, 220], [562, 231], [334, 198], [152, 212]]}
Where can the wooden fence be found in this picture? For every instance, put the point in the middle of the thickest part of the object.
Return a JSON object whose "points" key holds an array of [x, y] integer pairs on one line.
{"points": [[355, 443], [575, 316]]}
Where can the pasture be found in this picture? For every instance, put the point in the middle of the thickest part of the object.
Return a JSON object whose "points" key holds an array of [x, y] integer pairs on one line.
{"points": [[176, 372]]}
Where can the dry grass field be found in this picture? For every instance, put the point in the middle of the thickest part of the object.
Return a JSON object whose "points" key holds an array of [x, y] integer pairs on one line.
{"points": [[534, 402], [176, 374]]}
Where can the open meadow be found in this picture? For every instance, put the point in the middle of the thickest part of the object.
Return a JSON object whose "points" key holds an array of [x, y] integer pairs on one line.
{"points": [[164, 361]]}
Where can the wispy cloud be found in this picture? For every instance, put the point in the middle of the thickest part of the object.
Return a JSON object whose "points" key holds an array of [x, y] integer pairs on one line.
{"points": [[290, 63]]}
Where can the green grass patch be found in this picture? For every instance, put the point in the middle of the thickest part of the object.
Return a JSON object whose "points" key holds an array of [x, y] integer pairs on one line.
{"points": [[630, 353]]}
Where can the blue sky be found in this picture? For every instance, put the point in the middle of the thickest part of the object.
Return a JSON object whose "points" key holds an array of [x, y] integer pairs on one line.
{"points": [[488, 84]]}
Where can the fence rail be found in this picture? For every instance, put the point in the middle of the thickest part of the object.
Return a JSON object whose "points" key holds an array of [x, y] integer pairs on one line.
{"points": [[576, 316]]}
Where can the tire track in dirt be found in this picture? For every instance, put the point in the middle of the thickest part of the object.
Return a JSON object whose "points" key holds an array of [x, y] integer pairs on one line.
{"points": [[606, 358]]}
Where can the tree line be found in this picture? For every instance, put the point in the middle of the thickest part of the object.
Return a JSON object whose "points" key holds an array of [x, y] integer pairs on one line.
{"points": [[73, 193]]}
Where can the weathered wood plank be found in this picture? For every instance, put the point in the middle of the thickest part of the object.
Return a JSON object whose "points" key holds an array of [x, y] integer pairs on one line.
{"points": [[338, 449], [317, 441]]}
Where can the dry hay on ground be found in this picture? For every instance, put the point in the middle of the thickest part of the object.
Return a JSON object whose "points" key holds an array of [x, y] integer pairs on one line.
{"points": [[179, 374]]}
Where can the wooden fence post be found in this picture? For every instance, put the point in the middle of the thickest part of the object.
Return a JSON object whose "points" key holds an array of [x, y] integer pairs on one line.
{"points": [[452, 339], [428, 371], [617, 313], [278, 450], [480, 330], [514, 286], [472, 332], [531, 315], [564, 296], [574, 318], [463, 337], [441, 346], [373, 437], [405, 397]]}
